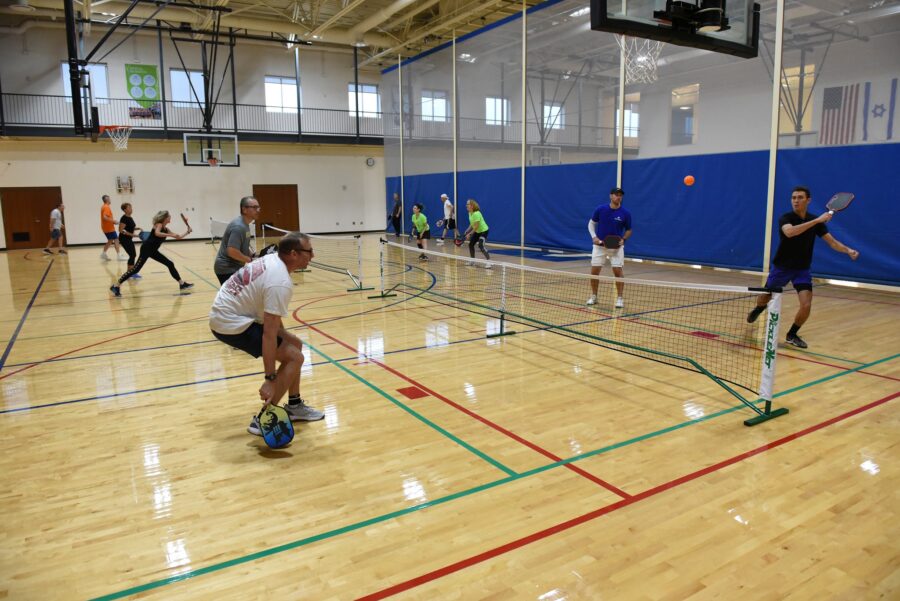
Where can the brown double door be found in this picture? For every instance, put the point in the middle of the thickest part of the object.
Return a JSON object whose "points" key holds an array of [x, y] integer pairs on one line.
{"points": [[26, 215], [280, 206]]}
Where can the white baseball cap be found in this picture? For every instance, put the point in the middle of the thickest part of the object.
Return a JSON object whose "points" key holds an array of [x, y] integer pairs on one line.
{"points": [[444, 196]]}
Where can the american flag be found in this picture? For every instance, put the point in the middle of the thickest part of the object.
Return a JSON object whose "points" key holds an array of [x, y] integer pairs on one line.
{"points": [[839, 108]]}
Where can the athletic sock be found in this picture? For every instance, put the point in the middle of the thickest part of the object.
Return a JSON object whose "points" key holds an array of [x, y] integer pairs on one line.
{"points": [[757, 310], [793, 331], [295, 400]]}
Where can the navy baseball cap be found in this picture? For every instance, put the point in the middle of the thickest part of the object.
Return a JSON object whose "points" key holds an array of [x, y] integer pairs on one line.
{"points": [[617, 191]]}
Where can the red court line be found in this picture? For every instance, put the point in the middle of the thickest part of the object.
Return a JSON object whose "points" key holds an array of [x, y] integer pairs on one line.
{"points": [[42, 361], [563, 526], [473, 415]]}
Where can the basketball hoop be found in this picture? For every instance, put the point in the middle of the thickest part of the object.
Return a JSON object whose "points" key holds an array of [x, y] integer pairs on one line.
{"points": [[118, 134], [641, 56]]}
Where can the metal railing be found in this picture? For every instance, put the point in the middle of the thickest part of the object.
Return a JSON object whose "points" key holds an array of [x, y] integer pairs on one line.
{"points": [[43, 111]]}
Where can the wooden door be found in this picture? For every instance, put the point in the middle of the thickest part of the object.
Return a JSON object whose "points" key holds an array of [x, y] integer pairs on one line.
{"points": [[279, 206], [26, 215]]}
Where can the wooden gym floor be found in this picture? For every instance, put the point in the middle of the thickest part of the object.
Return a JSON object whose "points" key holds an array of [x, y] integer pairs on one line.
{"points": [[449, 466]]}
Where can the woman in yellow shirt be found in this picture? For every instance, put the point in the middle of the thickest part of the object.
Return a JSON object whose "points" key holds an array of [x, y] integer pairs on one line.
{"points": [[477, 231], [423, 232]]}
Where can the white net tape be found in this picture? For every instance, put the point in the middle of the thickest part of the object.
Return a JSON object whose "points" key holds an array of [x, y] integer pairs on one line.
{"points": [[119, 136], [641, 56]]}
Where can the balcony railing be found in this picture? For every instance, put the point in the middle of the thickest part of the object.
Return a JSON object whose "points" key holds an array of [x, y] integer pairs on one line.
{"points": [[41, 111]]}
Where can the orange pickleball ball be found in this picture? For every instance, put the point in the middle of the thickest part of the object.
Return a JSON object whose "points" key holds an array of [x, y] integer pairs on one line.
{"points": [[689, 180]]}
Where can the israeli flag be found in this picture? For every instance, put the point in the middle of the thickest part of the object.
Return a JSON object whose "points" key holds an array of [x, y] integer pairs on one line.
{"points": [[879, 110]]}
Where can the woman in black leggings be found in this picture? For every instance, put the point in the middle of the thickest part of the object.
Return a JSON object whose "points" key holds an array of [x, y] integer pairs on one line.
{"points": [[127, 234], [150, 250], [477, 232]]}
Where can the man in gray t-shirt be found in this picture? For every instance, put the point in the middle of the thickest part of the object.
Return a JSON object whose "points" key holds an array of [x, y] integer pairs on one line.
{"points": [[234, 252]]}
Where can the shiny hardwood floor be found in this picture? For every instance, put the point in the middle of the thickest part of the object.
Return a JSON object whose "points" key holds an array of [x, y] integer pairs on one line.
{"points": [[448, 466]]}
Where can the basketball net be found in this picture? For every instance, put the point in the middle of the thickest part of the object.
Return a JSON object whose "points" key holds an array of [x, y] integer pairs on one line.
{"points": [[118, 134], [213, 161], [641, 56]]}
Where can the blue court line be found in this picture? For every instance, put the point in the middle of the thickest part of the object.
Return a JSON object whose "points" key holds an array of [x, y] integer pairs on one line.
{"points": [[18, 329], [439, 501]]}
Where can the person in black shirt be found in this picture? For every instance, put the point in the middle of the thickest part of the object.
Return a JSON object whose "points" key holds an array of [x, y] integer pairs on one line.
{"points": [[797, 233], [396, 215], [150, 250], [127, 234]]}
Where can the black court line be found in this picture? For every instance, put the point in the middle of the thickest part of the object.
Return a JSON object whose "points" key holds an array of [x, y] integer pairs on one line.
{"points": [[15, 335]]}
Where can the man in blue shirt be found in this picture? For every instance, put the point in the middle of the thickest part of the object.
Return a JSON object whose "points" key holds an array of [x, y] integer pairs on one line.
{"points": [[609, 220]]}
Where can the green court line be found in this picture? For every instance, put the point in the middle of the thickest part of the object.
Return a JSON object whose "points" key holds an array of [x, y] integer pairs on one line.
{"points": [[415, 414], [451, 497]]}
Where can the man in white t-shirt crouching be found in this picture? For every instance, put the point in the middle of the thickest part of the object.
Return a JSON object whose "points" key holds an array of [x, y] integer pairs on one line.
{"points": [[247, 315]]}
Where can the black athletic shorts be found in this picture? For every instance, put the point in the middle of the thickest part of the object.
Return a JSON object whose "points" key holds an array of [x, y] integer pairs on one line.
{"points": [[249, 341], [424, 235], [450, 224]]}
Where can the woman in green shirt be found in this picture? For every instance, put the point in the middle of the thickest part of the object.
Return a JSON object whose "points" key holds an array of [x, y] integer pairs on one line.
{"points": [[423, 232], [477, 231]]}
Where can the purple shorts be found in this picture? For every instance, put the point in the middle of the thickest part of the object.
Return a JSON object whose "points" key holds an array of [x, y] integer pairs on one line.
{"points": [[779, 278]]}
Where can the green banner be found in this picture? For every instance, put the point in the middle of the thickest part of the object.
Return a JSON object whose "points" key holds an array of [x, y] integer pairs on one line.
{"points": [[143, 84]]}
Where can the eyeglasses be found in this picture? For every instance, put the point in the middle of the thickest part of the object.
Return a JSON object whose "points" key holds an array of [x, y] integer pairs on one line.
{"points": [[253, 207], [304, 250]]}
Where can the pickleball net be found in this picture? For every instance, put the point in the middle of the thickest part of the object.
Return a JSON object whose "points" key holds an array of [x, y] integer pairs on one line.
{"points": [[698, 327], [335, 253]]}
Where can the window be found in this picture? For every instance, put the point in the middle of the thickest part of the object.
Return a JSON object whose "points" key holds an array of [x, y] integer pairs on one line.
{"points": [[281, 94], [99, 87], [632, 116], [182, 83], [554, 115], [434, 105], [796, 112], [496, 111], [369, 100], [684, 125]]}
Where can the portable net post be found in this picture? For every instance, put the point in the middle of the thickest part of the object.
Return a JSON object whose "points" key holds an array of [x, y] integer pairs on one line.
{"points": [[384, 293], [770, 355], [337, 254], [503, 331]]}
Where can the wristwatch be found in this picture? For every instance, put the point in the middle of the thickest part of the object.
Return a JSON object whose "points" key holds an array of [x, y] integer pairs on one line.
{"points": [[271, 377]]}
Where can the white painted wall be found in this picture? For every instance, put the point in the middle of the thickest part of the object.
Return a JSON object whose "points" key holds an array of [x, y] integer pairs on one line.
{"points": [[338, 192]]}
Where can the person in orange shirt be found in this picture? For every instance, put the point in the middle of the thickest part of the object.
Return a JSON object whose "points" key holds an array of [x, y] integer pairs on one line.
{"points": [[109, 225]]}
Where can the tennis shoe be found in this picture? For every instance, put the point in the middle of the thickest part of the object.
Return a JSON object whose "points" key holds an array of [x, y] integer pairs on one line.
{"points": [[470, 263], [253, 428], [488, 265], [796, 341], [123, 257], [136, 276], [115, 290], [620, 303], [440, 242], [185, 286], [754, 314], [47, 251], [63, 251], [104, 257], [592, 300], [303, 413]]}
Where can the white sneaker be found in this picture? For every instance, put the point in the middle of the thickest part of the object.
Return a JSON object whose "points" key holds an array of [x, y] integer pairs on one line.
{"points": [[123, 257], [470, 263], [440, 242], [620, 303], [488, 265], [253, 428], [303, 412], [592, 300], [104, 257]]}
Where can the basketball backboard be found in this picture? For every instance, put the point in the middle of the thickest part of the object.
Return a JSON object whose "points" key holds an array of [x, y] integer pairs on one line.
{"points": [[706, 24], [199, 148]]}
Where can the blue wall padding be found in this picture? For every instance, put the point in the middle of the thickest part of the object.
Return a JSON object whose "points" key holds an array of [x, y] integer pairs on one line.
{"points": [[871, 224], [426, 189], [499, 194], [717, 221], [559, 201]]}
